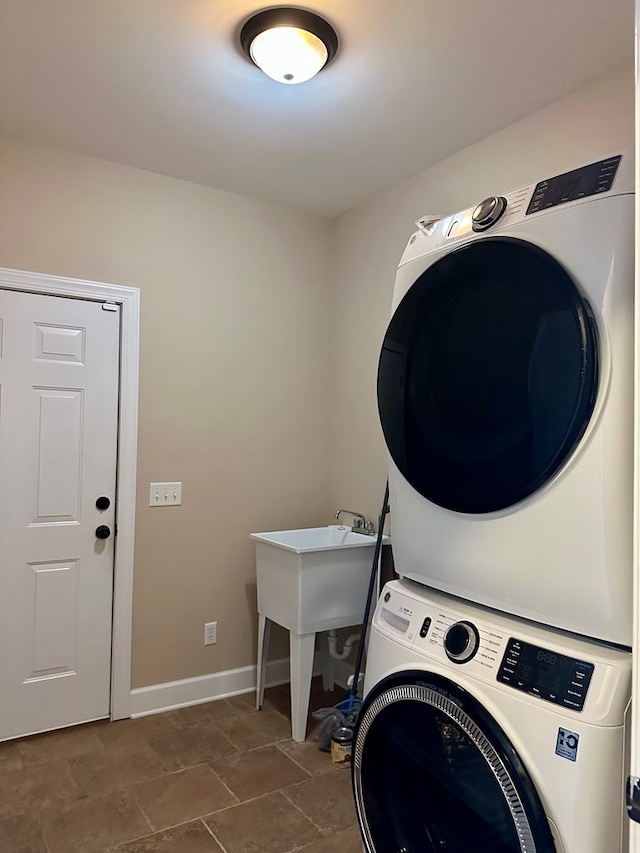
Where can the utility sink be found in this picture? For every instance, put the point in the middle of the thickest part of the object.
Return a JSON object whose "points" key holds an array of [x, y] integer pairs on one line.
{"points": [[306, 539], [309, 580], [314, 578]]}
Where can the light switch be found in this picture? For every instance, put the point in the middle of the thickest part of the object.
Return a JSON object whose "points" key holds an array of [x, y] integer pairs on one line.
{"points": [[165, 494]]}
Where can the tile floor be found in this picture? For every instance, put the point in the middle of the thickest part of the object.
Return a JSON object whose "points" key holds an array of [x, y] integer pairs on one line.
{"points": [[210, 778]]}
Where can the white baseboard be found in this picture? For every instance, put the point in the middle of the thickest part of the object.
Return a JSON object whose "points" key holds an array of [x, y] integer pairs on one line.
{"points": [[219, 685], [203, 688]]}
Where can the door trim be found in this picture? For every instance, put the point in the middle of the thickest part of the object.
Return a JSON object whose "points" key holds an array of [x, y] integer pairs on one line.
{"points": [[129, 300]]}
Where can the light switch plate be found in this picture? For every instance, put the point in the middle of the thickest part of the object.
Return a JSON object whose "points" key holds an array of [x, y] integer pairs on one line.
{"points": [[165, 494]]}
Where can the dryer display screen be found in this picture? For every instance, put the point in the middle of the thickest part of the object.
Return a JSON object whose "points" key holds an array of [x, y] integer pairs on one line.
{"points": [[580, 183], [552, 676]]}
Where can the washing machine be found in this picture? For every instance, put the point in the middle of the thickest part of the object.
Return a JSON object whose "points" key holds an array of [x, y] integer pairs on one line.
{"points": [[505, 393], [486, 733]]}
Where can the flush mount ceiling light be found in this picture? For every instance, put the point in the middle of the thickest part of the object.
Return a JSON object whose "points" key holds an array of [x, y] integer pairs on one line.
{"points": [[290, 45]]}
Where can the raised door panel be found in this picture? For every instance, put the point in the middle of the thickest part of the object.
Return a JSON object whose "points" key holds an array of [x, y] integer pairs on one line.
{"points": [[59, 372]]}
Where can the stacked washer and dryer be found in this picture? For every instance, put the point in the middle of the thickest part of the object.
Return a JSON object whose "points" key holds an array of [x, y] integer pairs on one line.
{"points": [[498, 680]]}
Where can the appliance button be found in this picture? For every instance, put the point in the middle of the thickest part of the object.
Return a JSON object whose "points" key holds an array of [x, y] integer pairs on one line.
{"points": [[425, 627]]}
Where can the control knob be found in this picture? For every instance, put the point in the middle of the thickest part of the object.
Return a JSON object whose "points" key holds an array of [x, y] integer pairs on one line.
{"points": [[488, 212], [461, 642]]}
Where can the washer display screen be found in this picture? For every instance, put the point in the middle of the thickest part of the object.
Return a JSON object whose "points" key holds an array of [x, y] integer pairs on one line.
{"points": [[541, 672]]}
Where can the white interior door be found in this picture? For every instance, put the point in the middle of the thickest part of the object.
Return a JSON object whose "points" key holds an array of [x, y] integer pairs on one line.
{"points": [[59, 362]]}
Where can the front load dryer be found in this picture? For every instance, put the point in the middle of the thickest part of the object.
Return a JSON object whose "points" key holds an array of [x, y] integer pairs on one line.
{"points": [[486, 733], [505, 392]]}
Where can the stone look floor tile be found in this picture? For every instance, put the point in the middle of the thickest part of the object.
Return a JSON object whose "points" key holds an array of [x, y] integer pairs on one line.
{"points": [[179, 797], [93, 824], [10, 758], [21, 835], [278, 698], [28, 790], [59, 745], [251, 774], [274, 698], [327, 800], [198, 715], [346, 841], [250, 730], [99, 773], [49, 784], [130, 734], [183, 748], [318, 699], [189, 838], [269, 824], [308, 756]]}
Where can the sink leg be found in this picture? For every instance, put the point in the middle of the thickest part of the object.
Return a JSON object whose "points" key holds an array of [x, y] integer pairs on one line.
{"points": [[264, 635], [327, 663], [302, 647]]}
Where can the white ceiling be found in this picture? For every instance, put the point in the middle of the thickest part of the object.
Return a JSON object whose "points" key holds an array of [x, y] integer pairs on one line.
{"points": [[161, 84]]}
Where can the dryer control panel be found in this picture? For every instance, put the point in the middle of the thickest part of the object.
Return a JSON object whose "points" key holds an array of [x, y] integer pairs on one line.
{"points": [[613, 175], [552, 676], [576, 184]]}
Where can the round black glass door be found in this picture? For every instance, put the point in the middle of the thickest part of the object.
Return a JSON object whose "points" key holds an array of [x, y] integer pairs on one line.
{"points": [[433, 771], [488, 375]]}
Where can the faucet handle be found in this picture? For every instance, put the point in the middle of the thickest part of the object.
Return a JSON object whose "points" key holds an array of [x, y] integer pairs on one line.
{"points": [[364, 526], [360, 523]]}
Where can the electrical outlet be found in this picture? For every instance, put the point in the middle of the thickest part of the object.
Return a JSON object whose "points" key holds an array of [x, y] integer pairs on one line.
{"points": [[210, 633]]}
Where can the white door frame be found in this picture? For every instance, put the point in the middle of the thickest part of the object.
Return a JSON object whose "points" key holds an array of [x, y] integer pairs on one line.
{"points": [[129, 300], [634, 828]]}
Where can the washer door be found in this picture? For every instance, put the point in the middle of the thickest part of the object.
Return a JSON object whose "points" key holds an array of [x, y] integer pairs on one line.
{"points": [[488, 375], [433, 772]]}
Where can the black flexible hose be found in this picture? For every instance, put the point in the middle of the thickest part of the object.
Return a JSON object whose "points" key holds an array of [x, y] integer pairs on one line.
{"points": [[372, 582]]}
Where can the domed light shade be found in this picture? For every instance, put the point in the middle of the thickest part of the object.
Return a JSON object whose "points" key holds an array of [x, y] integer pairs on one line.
{"points": [[290, 45]]}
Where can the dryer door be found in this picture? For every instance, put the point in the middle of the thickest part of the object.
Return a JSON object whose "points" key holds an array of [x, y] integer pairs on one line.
{"points": [[488, 375], [433, 771]]}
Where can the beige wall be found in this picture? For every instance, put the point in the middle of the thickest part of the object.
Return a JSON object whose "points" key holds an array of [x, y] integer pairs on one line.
{"points": [[261, 329], [233, 382], [367, 243]]}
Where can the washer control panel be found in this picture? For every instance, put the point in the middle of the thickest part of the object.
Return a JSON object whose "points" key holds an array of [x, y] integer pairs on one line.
{"points": [[550, 675], [478, 646], [464, 641]]}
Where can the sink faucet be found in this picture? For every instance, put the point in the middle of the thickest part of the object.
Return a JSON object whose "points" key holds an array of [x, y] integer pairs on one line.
{"points": [[360, 523]]}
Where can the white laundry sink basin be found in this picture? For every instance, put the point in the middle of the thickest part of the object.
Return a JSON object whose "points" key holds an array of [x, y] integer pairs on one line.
{"points": [[306, 539], [315, 578]]}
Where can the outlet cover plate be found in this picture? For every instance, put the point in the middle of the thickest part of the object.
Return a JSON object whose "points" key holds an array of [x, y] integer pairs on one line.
{"points": [[210, 633]]}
